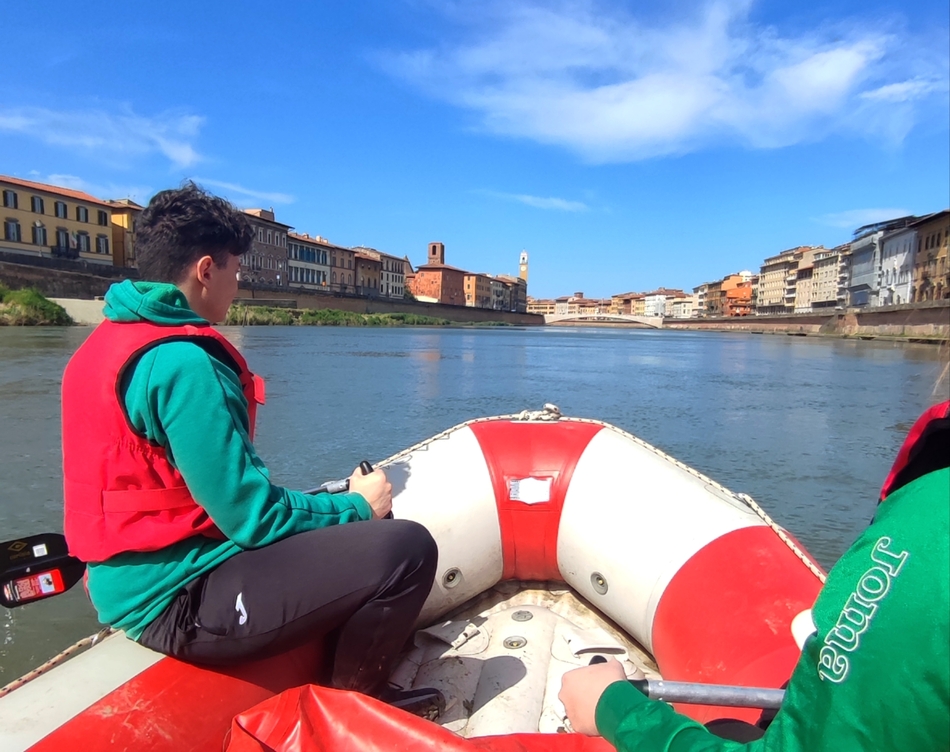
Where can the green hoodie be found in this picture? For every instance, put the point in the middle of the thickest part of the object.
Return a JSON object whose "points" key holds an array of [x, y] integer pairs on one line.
{"points": [[183, 399], [877, 674]]}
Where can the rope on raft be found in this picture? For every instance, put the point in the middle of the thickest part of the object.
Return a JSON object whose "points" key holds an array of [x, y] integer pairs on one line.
{"points": [[86, 642]]}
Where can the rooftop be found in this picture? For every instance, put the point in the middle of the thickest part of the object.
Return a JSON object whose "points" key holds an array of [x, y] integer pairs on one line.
{"points": [[59, 191]]}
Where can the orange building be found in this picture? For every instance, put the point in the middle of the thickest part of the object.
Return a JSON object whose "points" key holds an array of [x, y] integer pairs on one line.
{"points": [[738, 301], [478, 291], [436, 281]]}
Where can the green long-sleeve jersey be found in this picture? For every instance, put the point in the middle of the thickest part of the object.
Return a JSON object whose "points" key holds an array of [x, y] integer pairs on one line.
{"points": [[183, 399], [875, 676]]}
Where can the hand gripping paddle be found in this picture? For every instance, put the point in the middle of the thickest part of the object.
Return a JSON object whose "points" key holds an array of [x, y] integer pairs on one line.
{"points": [[343, 485]]}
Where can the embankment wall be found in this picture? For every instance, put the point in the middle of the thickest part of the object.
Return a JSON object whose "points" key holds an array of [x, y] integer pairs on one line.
{"points": [[917, 321], [355, 304], [55, 282]]}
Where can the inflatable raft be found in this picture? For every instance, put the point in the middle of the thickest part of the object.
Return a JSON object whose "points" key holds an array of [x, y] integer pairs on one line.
{"points": [[560, 539]]}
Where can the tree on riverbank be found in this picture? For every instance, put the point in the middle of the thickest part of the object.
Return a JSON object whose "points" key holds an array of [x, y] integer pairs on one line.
{"points": [[240, 315], [27, 307]]}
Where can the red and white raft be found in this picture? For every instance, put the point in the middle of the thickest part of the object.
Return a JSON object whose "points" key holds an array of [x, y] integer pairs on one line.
{"points": [[559, 539]]}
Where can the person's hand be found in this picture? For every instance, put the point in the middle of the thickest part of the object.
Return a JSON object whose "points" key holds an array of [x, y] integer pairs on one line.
{"points": [[581, 690], [377, 491]]}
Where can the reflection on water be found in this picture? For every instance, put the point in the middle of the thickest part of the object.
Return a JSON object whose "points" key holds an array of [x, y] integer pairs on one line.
{"points": [[808, 427]]}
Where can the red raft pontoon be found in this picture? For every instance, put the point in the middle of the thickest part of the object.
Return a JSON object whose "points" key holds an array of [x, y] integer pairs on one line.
{"points": [[559, 539]]}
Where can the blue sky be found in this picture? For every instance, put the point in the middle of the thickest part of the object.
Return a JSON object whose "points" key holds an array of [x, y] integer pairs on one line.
{"points": [[624, 146]]}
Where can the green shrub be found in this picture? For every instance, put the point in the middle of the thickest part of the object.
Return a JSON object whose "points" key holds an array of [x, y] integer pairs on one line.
{"points": [[242, 315], [28, 307], [239, 315]]}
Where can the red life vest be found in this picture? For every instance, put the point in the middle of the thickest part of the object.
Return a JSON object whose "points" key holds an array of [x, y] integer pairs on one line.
{"points": [[926, 449], [121, 493]]}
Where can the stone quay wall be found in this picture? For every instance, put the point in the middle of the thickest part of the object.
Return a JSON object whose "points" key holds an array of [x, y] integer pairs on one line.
{"points": [[355, 304], [63, 279], [930, 321]]}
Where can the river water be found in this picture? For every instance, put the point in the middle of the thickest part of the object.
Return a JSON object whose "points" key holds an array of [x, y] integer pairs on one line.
{"points": [[807, 426]]}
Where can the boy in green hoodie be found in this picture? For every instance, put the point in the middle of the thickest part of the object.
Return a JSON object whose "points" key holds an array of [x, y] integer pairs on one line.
{"points": [[191, 549]]}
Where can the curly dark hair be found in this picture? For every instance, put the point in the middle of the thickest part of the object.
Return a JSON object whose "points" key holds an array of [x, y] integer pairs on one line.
{"points": [[181, 225]]}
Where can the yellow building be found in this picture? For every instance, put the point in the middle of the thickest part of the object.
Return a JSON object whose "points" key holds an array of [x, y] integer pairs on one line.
{"points": [[932, 265], [541, 306], [620, 303], [125, 213], [52, 222]]}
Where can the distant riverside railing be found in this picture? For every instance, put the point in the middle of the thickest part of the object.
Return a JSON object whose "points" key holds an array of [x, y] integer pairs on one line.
{"points": [[650, 322], [69, 264]]}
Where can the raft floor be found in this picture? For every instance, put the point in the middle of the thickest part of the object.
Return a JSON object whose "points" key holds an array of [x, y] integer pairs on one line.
{"points": [[499, 658]]}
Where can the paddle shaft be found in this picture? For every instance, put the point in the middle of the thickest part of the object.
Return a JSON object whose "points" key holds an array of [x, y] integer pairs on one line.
{"points": [[710, 694], [691, 693], [342, 485], [39, 566]]}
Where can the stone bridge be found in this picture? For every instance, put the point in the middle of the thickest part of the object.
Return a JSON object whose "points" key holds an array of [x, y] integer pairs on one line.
{"points": [[649, 322]]}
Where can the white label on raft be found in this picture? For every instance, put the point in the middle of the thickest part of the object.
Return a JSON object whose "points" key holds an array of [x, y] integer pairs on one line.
{"points": [[530, 490], [39, 550]]}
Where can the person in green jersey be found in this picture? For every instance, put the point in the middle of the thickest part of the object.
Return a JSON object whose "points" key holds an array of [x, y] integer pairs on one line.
{"points": [[876, 673]]}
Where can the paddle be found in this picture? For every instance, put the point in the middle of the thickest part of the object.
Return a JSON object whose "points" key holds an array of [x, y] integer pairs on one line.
{"points": [[710, 694], [691, 693], [36, 567], [39, 566], [343, 485]]}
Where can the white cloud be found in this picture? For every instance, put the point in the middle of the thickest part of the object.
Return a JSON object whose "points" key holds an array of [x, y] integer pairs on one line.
{"points": [[231, 188], [904, 91], [614, 88], [855, 218], [114, 137], [541, 202], [138, 193]]}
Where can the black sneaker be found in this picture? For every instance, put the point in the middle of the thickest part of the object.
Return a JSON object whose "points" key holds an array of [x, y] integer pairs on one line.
{"points": [[424, 702]]}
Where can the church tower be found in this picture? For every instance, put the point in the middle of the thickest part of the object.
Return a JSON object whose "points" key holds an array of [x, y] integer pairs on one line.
{"points": [[523, 267]]}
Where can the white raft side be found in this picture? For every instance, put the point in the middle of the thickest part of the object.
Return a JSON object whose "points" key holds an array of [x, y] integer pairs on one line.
{"points": [[51, 700], [637, 536], [446, 486]]}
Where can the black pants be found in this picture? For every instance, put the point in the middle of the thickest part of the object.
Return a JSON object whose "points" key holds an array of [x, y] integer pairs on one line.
{"points": [[363, 583]]}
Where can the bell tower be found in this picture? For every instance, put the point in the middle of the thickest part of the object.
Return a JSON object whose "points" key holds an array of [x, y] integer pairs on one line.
{"points": [[523, 266]]}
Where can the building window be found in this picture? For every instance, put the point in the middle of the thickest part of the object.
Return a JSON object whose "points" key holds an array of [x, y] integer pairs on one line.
{"points": [[11, 230], [36, 203], [103, 218], [9, 199], [60, 207], [102, 244], [39, 235], [82, 214], [82, 242], [260, 234], [62, 238]]}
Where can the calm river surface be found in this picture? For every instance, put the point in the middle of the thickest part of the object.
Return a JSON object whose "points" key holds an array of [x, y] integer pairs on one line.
{"points": [[808, 427]]}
